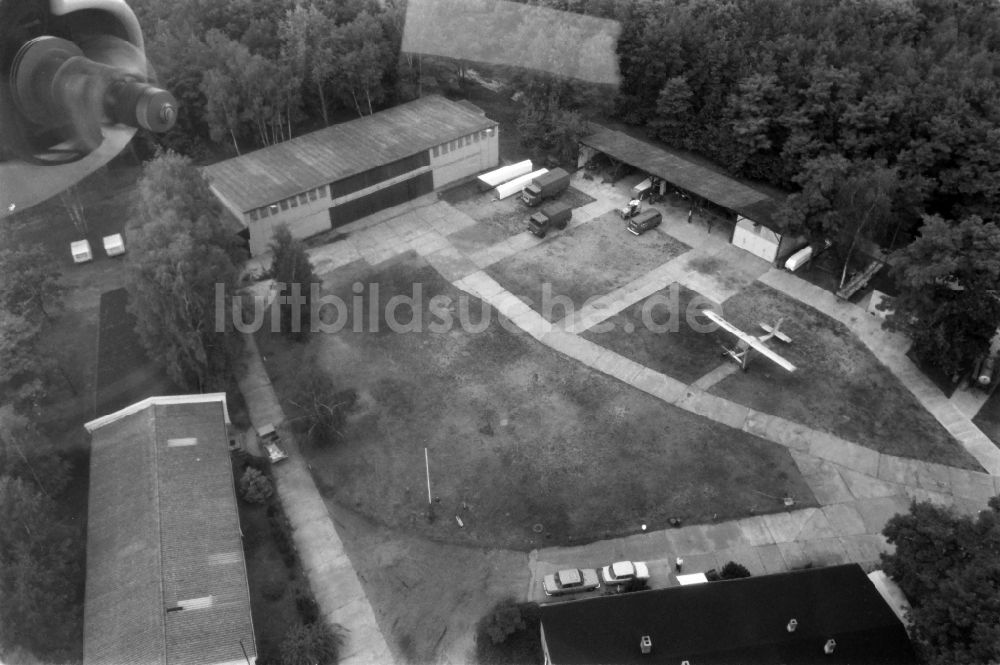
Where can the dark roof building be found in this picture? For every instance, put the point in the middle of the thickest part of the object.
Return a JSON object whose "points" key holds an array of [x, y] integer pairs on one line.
{"points": [[734, 622], [333, 176], [166, 578], [718, 188], [753, 212]]}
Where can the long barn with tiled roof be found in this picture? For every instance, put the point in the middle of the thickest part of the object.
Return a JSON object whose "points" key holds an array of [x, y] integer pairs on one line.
{"points": [[337, 175], [166, 577]]}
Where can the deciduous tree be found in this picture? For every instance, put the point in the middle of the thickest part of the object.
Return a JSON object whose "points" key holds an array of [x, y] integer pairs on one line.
{"points": [[29, 281], [949, 280], [38, 566], [180, 260], [24, 366], [322, 408], [362, 55], [293, 272], [307, 45], [843, 201], [949, 568]]}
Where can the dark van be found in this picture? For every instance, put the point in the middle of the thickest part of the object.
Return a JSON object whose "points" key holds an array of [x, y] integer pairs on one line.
{"points": [[644, 221]]}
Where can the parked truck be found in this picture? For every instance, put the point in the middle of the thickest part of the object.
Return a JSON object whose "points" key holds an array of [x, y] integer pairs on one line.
{"points": [[552, 216], [544, 187]]}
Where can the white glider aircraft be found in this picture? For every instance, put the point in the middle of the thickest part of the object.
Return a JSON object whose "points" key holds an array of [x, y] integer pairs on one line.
{"points": [[741, 352]]}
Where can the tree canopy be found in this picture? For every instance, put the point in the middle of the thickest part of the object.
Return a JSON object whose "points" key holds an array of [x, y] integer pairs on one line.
{"points": [[247, 72], [29, 281], [765, 86], [949, 568], [949, 281], [292, 270], [180, 264], [40, 550]]}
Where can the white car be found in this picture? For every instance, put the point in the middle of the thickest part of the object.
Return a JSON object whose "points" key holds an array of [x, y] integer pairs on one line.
{"points": [[623, 572], [80, 249], [114, 245], [570, 580]]}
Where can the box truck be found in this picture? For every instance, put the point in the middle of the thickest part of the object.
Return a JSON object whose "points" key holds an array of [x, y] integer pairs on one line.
{"points": [[552, 216], [550, 185]]}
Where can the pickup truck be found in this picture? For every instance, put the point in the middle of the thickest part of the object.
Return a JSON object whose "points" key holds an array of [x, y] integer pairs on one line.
{"points": [[554, 216], [633, 208], [546, 186]]}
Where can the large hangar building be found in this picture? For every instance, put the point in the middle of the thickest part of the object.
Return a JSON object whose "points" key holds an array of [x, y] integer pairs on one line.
{"points": [[334, 176]]}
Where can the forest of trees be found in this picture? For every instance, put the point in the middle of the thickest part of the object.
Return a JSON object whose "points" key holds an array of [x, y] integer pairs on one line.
{"points": [[874, 116], [249, 73]]}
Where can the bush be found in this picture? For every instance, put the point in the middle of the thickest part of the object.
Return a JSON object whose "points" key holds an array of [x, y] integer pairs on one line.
{"points": [[517, 626], [242, 460], [255, 487], [504, 621], [312, 644], [307, 607], [733, 571], [322, 408]]}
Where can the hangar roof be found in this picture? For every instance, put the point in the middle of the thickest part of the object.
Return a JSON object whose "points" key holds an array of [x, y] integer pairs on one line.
{"points": [[699, 180], [300, 164]]}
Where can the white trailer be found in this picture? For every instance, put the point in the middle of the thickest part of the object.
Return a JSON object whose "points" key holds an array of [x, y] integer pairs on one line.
{"points": [[503, 174], [517, 184], [81, 251]]}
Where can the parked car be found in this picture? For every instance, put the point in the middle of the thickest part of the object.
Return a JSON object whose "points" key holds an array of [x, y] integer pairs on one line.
{"points": [[570, 580], [270, 443], [624, 572], [984, 376], [81, 251], [114, 244]]}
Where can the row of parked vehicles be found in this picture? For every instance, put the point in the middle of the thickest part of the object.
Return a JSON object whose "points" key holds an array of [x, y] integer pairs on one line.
{"points": [[557, 215], [614, 576]]}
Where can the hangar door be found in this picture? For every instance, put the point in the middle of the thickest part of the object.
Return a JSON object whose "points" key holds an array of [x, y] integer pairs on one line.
{"points": [[393, 195]]}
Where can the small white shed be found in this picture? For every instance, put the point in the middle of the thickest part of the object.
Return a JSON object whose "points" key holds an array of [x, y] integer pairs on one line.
{"points": [[756, 239]]}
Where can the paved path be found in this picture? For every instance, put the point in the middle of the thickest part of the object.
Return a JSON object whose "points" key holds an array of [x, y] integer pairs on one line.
{"points": [[339, 594]]}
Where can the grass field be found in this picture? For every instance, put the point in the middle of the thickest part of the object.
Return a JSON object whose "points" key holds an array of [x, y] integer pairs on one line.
{"points": [[988, 418], [584, 262], [526, 447], [839, 387], [679, 352]]}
